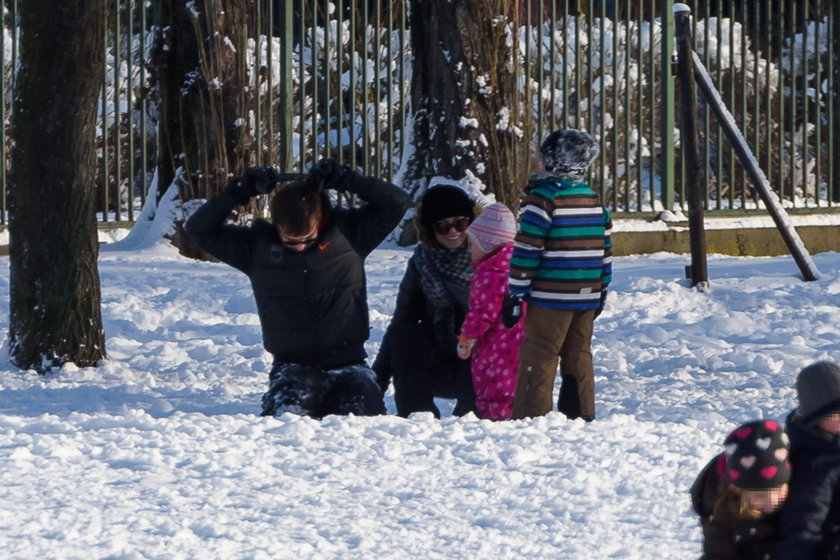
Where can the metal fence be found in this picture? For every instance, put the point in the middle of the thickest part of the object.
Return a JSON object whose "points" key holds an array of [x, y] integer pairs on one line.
{"points": [[607, 68], [600, 65]]}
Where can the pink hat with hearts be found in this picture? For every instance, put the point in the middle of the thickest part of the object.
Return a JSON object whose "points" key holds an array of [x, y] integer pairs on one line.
{"points": [[757, 456]]}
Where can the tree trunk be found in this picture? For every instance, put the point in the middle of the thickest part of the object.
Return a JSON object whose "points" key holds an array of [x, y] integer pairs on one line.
{"points": [[205, 96], [462, 86], [55, 298]]}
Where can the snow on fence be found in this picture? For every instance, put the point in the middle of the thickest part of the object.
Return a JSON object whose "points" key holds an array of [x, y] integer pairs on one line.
{"points": [[601, 65]]}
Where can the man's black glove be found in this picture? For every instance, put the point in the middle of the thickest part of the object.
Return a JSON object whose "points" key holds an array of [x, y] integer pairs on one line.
{"points": [[512, 310], [254, 181], [329, 174]]}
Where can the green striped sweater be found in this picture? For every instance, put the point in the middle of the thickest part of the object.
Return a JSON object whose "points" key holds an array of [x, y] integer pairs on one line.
{"points": [[562, 254]]}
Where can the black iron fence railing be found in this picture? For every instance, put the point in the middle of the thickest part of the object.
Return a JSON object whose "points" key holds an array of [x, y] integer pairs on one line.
{"points": [[332, 79]]}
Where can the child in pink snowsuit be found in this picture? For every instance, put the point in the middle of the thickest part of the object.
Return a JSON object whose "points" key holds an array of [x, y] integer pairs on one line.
{"points": [[494, 348]]}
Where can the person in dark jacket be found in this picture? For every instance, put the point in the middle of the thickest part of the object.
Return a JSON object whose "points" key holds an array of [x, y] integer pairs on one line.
{"points": [[739, 492], [811, 518], [307, 272], [419, 349]]}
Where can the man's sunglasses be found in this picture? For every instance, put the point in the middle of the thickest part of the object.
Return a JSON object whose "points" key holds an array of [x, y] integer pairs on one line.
{"points": [[442, 227], [299, 243]]}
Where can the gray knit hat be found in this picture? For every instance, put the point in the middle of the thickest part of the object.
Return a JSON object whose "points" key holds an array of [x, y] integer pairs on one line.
{"points": [[567, 154], [818, 387]]}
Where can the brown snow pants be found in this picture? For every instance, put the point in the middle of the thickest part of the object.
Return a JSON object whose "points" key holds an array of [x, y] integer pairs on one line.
{"points": [[552, 334]]}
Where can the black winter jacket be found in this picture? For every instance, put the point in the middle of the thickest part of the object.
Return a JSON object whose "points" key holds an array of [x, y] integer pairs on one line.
{"points": [[312, 304], [726, 537], [442, 324], [811, 516]]}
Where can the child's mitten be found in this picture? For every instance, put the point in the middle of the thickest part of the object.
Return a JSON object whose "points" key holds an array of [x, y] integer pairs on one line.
{"points": [[465, 346]]}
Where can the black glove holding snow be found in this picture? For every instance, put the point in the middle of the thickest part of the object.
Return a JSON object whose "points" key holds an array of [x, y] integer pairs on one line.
{"points": [[512, 310], [254, 181], [329, 174]]}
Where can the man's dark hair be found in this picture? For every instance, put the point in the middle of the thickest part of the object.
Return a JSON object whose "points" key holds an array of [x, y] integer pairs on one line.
{"points": [[295, 206]]}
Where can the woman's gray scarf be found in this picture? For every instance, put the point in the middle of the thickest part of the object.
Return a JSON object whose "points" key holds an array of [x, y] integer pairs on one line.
{"points": [[444, 274]]}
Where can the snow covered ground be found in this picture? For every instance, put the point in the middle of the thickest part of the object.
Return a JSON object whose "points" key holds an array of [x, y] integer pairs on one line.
{"points": [[159, 453]]}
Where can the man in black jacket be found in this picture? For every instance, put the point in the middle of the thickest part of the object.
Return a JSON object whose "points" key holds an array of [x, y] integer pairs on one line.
{"points": [[307, 272]]}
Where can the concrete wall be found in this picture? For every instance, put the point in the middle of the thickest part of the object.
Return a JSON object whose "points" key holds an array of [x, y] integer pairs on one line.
{"points": [[739, 242], [748, 241]]}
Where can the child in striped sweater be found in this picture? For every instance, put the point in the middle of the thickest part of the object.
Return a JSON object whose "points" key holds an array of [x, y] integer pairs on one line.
{"points": [[561, 265]]}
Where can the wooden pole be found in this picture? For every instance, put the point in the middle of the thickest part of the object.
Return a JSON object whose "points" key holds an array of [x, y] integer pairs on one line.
{"points": [[698, 272], [771, 201]]}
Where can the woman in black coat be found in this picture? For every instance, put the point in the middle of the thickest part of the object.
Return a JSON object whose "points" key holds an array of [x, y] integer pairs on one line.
{"points": [[418, 350]]}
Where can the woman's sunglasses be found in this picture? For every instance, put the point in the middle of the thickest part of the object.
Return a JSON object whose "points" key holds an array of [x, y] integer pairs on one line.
{"points": [[442, 227]]}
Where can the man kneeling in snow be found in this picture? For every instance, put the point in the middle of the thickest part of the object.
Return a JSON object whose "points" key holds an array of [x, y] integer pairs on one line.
{"points": [[307, 272]]}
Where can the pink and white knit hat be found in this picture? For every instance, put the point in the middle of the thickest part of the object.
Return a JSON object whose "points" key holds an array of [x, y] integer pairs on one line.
{"points": [[496, 225]]}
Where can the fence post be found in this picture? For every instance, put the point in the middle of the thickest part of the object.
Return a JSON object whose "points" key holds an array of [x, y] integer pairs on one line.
{"points": [[834, 124], [668, 101], [284, 146], [698, 271]]}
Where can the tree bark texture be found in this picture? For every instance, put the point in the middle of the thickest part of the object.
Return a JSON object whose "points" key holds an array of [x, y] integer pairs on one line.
{"points": [[205, 96], [205, 91], [462, 87], [55, 298]]}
